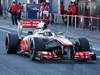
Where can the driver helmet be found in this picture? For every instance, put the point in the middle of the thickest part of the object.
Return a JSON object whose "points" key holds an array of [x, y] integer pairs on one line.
{"points": [[42, 25], [47, 32]]}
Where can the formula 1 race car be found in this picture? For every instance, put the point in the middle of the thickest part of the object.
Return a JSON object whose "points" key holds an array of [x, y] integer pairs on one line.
{"points": [[43, 43]]}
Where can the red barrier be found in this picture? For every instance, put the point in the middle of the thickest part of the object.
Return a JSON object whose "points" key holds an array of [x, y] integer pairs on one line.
{"points": [[84, 16], [81, 24]]}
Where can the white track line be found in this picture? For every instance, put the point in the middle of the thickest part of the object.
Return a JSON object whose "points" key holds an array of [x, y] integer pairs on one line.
{"points": [[98, 57], [8, 28], [10, 70], [5, 31], [96, 49], [11, 29]]}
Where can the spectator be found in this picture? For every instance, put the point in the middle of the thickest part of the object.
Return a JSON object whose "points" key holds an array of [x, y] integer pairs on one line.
{"points": [[20, 8], [46, 11], [41, 10], [72, 10], [62, 11], [13, 11]]}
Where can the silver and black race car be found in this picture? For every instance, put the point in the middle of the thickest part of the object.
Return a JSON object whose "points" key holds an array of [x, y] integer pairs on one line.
{"points": [[43, 43]]}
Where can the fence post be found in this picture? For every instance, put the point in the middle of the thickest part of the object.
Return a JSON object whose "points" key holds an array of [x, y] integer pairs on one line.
{"points": [[90, 24], [55, 18], [71, 20], [67, 22], [81, 24], [97, 23], [75, 23]]}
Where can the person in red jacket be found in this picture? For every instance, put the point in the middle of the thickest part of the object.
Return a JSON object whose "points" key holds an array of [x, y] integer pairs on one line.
{"points": [[46, 11], [72, 10], [20, 8], [13, 10], [62, 11]]}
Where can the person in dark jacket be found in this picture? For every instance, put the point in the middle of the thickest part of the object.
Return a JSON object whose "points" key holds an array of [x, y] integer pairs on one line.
{"points": [[13, 9]]}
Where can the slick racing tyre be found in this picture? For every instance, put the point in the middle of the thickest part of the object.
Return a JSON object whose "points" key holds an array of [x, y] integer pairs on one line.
{"points": [[38, 45], [12, 43], [32, 56], [83, 45]]}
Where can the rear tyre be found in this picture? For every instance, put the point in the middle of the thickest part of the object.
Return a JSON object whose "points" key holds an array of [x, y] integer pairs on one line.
{"points": [[12, 43]]}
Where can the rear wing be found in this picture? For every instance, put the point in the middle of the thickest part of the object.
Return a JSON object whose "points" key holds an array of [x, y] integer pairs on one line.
{"points": [[28, 23]]}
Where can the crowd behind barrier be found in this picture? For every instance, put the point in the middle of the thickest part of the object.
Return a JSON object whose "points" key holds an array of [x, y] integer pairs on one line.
{"points": [[79, 21]]}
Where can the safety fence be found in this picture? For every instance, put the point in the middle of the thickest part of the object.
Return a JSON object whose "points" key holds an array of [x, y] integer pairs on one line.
{"points": [[91, 22]]}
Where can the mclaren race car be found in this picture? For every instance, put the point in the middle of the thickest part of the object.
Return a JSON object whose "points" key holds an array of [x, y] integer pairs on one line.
{"points": [[43, 43]]}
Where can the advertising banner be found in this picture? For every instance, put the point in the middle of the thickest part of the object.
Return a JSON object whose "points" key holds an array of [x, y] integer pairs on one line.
{"points": [[32, 11]]}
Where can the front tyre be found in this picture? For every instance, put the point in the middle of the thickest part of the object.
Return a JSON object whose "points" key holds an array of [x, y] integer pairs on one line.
{"points": [[32, 56], [82, 45], [36, 46]]}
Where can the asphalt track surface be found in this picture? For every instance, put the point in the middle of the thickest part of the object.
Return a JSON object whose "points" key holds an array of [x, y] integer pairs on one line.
{"points": [[22, 65]]}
